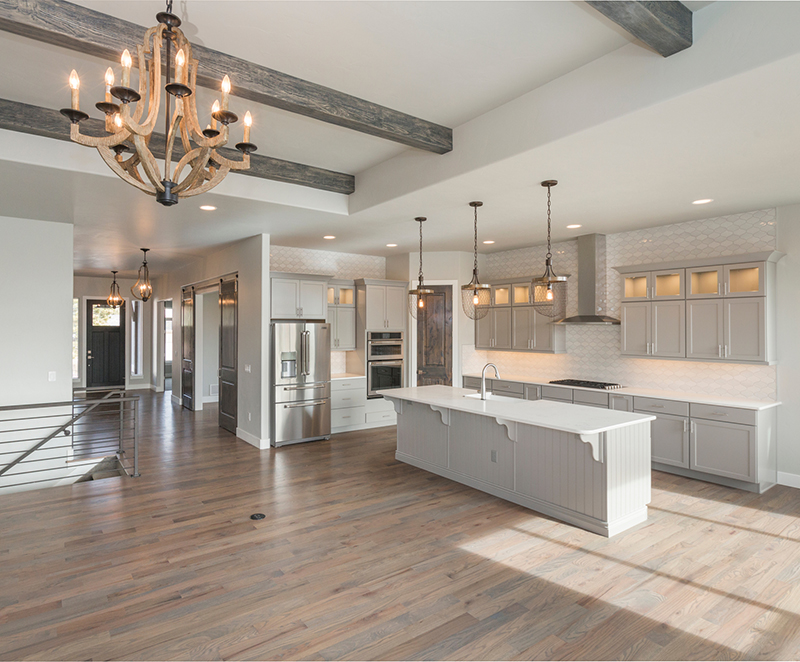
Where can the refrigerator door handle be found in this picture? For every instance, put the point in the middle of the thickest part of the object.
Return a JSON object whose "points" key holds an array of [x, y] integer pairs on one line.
{"points": [[307, 403], [307, 353], [303, 388]]}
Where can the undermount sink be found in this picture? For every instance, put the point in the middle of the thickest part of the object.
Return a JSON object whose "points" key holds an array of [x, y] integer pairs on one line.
{"points": [[491, 396]]}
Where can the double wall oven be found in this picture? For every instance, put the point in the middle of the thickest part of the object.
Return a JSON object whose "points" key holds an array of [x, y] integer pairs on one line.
{"points": [[385, 365]]}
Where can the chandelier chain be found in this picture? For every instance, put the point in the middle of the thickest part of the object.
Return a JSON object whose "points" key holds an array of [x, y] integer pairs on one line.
{"points": [[549, 253], [169, 6], [420, 253], [475, 243]]}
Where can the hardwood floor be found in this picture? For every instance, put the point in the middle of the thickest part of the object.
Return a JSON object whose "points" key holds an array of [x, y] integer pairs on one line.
{"points": [[362, 557]]}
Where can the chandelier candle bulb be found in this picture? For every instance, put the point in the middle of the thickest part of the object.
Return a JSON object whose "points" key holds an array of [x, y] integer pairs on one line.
{"points": [[109, 83], [226, 90], [127, 62], [180, 62], [248, 122], [74, 86], [214, 111]]}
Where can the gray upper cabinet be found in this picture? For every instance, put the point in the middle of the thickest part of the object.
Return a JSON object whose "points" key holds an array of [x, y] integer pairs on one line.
{"points": [[298, 296], [385, 306], [396, 307], [343, 328], [342, 293], [495, 330], [522, 327], [702, 311]]}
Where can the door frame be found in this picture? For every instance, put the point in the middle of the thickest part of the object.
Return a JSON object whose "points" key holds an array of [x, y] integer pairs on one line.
{"points": [[199, 333], [411, 376], [159, 343], [83, 324]]}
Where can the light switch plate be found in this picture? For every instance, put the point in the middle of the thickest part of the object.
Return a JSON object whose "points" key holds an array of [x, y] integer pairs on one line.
{"points": [[247, 367], [51, 376]]}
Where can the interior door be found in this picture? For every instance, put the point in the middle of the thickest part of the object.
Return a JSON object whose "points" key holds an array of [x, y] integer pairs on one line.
{"points": [[228, 353], [435, 338], [187, 348], [105, 344]]}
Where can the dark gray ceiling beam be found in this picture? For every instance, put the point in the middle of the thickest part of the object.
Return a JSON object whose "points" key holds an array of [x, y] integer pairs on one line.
{"points": [[24, 118], [87, 31], [665, 26]]}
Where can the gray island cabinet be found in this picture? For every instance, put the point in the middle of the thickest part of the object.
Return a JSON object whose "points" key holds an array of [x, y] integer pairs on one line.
{"points": [[582, 465]]}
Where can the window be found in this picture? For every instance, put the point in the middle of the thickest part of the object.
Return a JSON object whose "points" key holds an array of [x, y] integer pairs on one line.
{"points": [[104, 315], [136, 338], [168, 332], [75, 340]]}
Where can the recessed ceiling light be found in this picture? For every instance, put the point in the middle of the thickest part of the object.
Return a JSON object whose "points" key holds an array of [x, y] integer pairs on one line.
{"points": [[704, 201], [574, 226], [391, 245], [208, 207], [489, 241], [329, 236]]}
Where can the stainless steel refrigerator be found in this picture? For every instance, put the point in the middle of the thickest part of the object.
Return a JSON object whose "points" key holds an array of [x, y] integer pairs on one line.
{"points": [[301, 382]]}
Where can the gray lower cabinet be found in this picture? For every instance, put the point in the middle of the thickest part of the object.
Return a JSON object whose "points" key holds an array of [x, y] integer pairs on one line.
{"points": [[620, 402], [669, 440], [494, 330], [724, 449]]}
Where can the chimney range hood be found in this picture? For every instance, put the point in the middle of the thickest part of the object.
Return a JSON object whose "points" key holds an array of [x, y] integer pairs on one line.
{"points": [[592, 286]]}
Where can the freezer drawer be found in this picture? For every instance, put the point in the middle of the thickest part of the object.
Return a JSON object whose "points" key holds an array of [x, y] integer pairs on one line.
{"points": [[301, 421], [295, 392]]}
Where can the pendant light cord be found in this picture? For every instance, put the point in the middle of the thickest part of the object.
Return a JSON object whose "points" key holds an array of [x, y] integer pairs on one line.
{"points": [[420, 255]]}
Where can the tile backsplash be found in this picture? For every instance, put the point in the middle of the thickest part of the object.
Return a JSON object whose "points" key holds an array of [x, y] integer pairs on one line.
{"points": [[338, 363], [339, 265], [593, 352]]}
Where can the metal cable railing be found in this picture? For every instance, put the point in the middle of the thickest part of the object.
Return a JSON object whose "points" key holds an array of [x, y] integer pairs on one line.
{"points": [[52, 442]]}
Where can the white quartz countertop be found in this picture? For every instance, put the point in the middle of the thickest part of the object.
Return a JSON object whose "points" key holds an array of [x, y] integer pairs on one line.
{"points": [[680, 396], [347, 375], [576, 419]]}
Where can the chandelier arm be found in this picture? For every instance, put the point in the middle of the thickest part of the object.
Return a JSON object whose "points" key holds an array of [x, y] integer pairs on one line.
{"points": [[102, 141], [109, 157], [149, 164], [198, 157], [233, 165], [173, 131], [211, 183], [131, 167], [131, 122]]}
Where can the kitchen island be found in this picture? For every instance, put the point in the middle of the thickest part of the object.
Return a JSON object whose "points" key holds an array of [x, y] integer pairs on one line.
{"points": [[582, 465]]}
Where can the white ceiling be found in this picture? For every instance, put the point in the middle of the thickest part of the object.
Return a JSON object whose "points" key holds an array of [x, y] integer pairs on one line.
{"points": [[453, 63]]}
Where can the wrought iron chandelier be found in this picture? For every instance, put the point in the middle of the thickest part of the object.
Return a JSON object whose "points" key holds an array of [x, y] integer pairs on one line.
{"points": [[549, 292], [416, 297], [475, 296], [127, 148], [114, 297], [142, 289]]}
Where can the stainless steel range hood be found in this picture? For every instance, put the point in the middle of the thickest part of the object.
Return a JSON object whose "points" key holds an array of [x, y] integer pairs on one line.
{"points": [[592, 286]]}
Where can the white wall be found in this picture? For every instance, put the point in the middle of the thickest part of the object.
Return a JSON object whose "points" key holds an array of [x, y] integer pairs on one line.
{"points": [[98, 287], [210, 345], [250, 259], [788, 346], [35, 311]]}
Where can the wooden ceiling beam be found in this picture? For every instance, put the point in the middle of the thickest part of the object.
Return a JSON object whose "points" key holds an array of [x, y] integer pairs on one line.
{"points": [[24, 118], [87, 31], [664, 26]]}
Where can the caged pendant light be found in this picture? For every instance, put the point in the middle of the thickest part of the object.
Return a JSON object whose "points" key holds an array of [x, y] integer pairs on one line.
{"points": [[114, 298], [476, 296], [549, 292], [416, 297], [142, 289]]}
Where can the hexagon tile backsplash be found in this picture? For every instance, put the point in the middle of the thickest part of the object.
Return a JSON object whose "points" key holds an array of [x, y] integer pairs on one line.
{"points": [[593, 352], [339, 265]]}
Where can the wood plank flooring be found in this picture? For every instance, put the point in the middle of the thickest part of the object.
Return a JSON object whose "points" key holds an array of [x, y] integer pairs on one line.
{"points": [[362, 557]]}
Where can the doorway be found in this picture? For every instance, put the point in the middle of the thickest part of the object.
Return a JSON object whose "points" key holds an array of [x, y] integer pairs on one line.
{"points": [[105, 344], [435, 338], [167, 348]]}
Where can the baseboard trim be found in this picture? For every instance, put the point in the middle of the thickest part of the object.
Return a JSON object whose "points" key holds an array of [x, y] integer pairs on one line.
{"points": [[176, 400], [210, 398], [251, 439], [137, 387], [789, 480]]}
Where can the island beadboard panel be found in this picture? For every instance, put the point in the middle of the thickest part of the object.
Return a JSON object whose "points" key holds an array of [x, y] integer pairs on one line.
{"points": [[593, 352]]}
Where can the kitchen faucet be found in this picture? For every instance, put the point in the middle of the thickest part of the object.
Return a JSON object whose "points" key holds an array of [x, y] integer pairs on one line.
{"points": [[483, 378]]}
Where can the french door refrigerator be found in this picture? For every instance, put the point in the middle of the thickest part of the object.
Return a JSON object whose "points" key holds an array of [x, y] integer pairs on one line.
{"points": [[301, 382]]}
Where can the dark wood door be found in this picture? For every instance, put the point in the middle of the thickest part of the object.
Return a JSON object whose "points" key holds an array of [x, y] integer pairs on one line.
{"points": [[435, 338], [187, 348], [105, 344], [228, 403]]}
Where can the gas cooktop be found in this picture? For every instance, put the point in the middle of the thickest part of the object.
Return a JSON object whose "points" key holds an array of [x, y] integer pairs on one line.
{"points": [[605, 386]]}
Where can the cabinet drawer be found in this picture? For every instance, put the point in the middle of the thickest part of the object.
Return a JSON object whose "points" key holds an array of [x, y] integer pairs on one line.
{"points": [[726, 414], [343, 417], [620, 402], [352, 398], [388, 417], [590, 398], [658, 406], [533, 392], [509, 388], [347, 384], [556, 393], [472, 382]]}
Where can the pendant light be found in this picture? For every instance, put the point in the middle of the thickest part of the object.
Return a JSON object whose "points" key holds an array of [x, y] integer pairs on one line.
{"points": [[416, 297], [475, 296], [114, 298], [143, 290], [549, 292]]}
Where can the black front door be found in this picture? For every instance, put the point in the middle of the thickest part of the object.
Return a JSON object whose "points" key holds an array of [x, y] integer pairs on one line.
{"points": [[105, 344]]}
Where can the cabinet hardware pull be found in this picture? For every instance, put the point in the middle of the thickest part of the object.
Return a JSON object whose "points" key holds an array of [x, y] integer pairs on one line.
{"points": [[718, 413], [726, 351], [720, 351], [648, 349], [657, 406], [685, 424], [719, 289]]}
